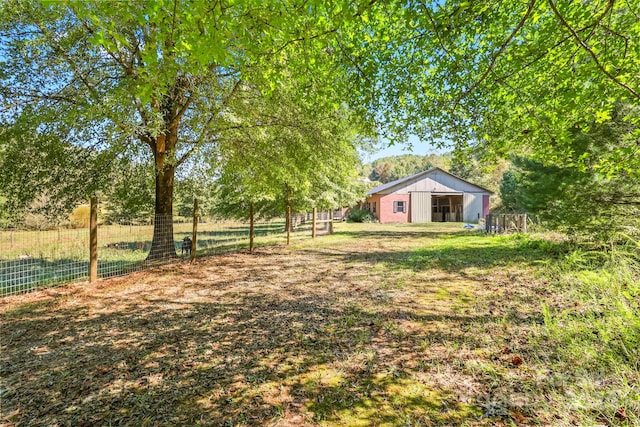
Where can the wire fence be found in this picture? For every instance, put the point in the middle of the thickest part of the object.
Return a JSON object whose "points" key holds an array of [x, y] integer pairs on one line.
{"points": [[30, 260]]}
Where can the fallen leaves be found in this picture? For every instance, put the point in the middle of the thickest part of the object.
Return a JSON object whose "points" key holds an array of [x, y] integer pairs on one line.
{"points": [[621, 414], [519, 417]]}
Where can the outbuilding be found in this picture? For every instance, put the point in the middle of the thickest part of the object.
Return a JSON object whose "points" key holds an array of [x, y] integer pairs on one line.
{"points": [[434, 195]]}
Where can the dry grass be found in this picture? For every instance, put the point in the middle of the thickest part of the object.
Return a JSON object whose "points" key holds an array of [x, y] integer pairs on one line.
{"points": [[376, 325]]}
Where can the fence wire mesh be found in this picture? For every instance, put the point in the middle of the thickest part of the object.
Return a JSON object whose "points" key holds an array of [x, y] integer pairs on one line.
{"points": [[31, 260], [324, 224]]}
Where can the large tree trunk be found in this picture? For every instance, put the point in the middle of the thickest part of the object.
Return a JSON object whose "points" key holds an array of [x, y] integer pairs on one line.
{"points": [[162, 245]]}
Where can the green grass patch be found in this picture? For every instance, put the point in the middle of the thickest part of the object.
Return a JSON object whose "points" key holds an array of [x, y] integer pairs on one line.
{"points": [[385, 325], [35, 259]]}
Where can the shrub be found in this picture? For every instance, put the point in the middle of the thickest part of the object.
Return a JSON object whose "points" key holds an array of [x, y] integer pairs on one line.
{"points": [[79, 218], [360, 215]]}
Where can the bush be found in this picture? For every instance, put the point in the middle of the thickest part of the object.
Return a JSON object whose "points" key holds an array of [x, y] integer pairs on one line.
{"points": [[360, 215], [79, 218]]}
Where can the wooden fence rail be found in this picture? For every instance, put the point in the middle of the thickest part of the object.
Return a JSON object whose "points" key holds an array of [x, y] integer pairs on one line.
{"points": [[506, 223]]}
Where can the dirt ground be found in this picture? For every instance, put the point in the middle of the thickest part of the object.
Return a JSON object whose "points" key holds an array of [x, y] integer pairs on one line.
{"points": [[371, 326]]}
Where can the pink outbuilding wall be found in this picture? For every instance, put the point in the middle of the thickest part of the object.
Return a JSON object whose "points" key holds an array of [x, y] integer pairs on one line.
{"points": [[385, 207]]}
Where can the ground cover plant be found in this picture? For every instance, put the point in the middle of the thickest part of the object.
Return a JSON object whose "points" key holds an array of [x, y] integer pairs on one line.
{"points": [[414, 324]]}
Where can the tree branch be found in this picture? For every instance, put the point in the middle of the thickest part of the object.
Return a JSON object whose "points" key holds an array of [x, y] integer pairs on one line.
{"points": [[206, 128], [586, 47], [494, 57]]}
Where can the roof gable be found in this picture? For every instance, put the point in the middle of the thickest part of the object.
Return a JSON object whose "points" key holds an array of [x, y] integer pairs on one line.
{"points": [[435, 180]]}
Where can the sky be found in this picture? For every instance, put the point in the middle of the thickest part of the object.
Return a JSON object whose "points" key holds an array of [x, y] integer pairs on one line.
{"points": [[418, 147]]}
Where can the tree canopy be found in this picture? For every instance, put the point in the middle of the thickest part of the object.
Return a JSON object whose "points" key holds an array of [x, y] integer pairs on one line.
{"points": [[507, 78], [162, 75], [299, 154], [579, 197], [512, 77]]}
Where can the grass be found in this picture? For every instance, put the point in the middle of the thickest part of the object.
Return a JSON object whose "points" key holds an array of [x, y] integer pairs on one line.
{"points": [[32, 259], [386, 325]]}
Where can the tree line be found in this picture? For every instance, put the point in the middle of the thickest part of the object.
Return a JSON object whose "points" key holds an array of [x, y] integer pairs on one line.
{"points": [[276, 96]]}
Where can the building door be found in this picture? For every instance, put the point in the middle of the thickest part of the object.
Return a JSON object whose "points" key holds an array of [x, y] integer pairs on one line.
{"points": [[420, 207]]}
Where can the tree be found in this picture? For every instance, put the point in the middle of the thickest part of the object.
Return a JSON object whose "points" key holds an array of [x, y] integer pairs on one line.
{"points": [[509, 194], [41, 174], [391, 168], [161, 74], [479, 167], [573, 194], [301, 156], [128, 195], [508, 77]]}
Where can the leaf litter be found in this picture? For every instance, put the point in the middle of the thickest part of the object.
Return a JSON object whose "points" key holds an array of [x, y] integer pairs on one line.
{"points": [[342, 330]]}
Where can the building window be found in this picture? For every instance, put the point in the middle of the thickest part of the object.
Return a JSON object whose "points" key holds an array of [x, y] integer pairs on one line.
{"points": [[374, 208], [399, 206]]}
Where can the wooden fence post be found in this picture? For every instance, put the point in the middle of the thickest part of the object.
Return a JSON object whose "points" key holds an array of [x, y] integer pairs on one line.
{"points": [[313, 223], [93, 239], [251, 229], [330, 221], [194, 239], [288, 224]]}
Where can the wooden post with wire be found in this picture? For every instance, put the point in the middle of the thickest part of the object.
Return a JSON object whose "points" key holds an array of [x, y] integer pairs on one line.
{"points": [[93, 239], [251, 227], [288, 223], [194, 239], [313, 223]]}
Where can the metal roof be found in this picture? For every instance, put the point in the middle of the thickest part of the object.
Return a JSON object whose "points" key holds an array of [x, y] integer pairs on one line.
{"points": [[401, 181]]}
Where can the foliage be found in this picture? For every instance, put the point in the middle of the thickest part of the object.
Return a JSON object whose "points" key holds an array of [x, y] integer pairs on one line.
{"points": [[197, 187], [165, 75], [360, 215], [160, 76], [594, 318], [576, 194], [300, 155], [506, 80], [80, 216], [45, 175], [476, 166], [129, 194], [509, 192], [389, 169]]}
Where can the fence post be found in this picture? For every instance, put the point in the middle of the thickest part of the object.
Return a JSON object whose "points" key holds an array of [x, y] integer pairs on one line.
{"points": [[251, 229], [194, 239], [288, 225], [313, 223], [93, 240], [331, 221]]}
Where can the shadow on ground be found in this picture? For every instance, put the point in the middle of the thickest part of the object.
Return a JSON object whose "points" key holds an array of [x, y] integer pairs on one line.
{"points": [[297, 339]]}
